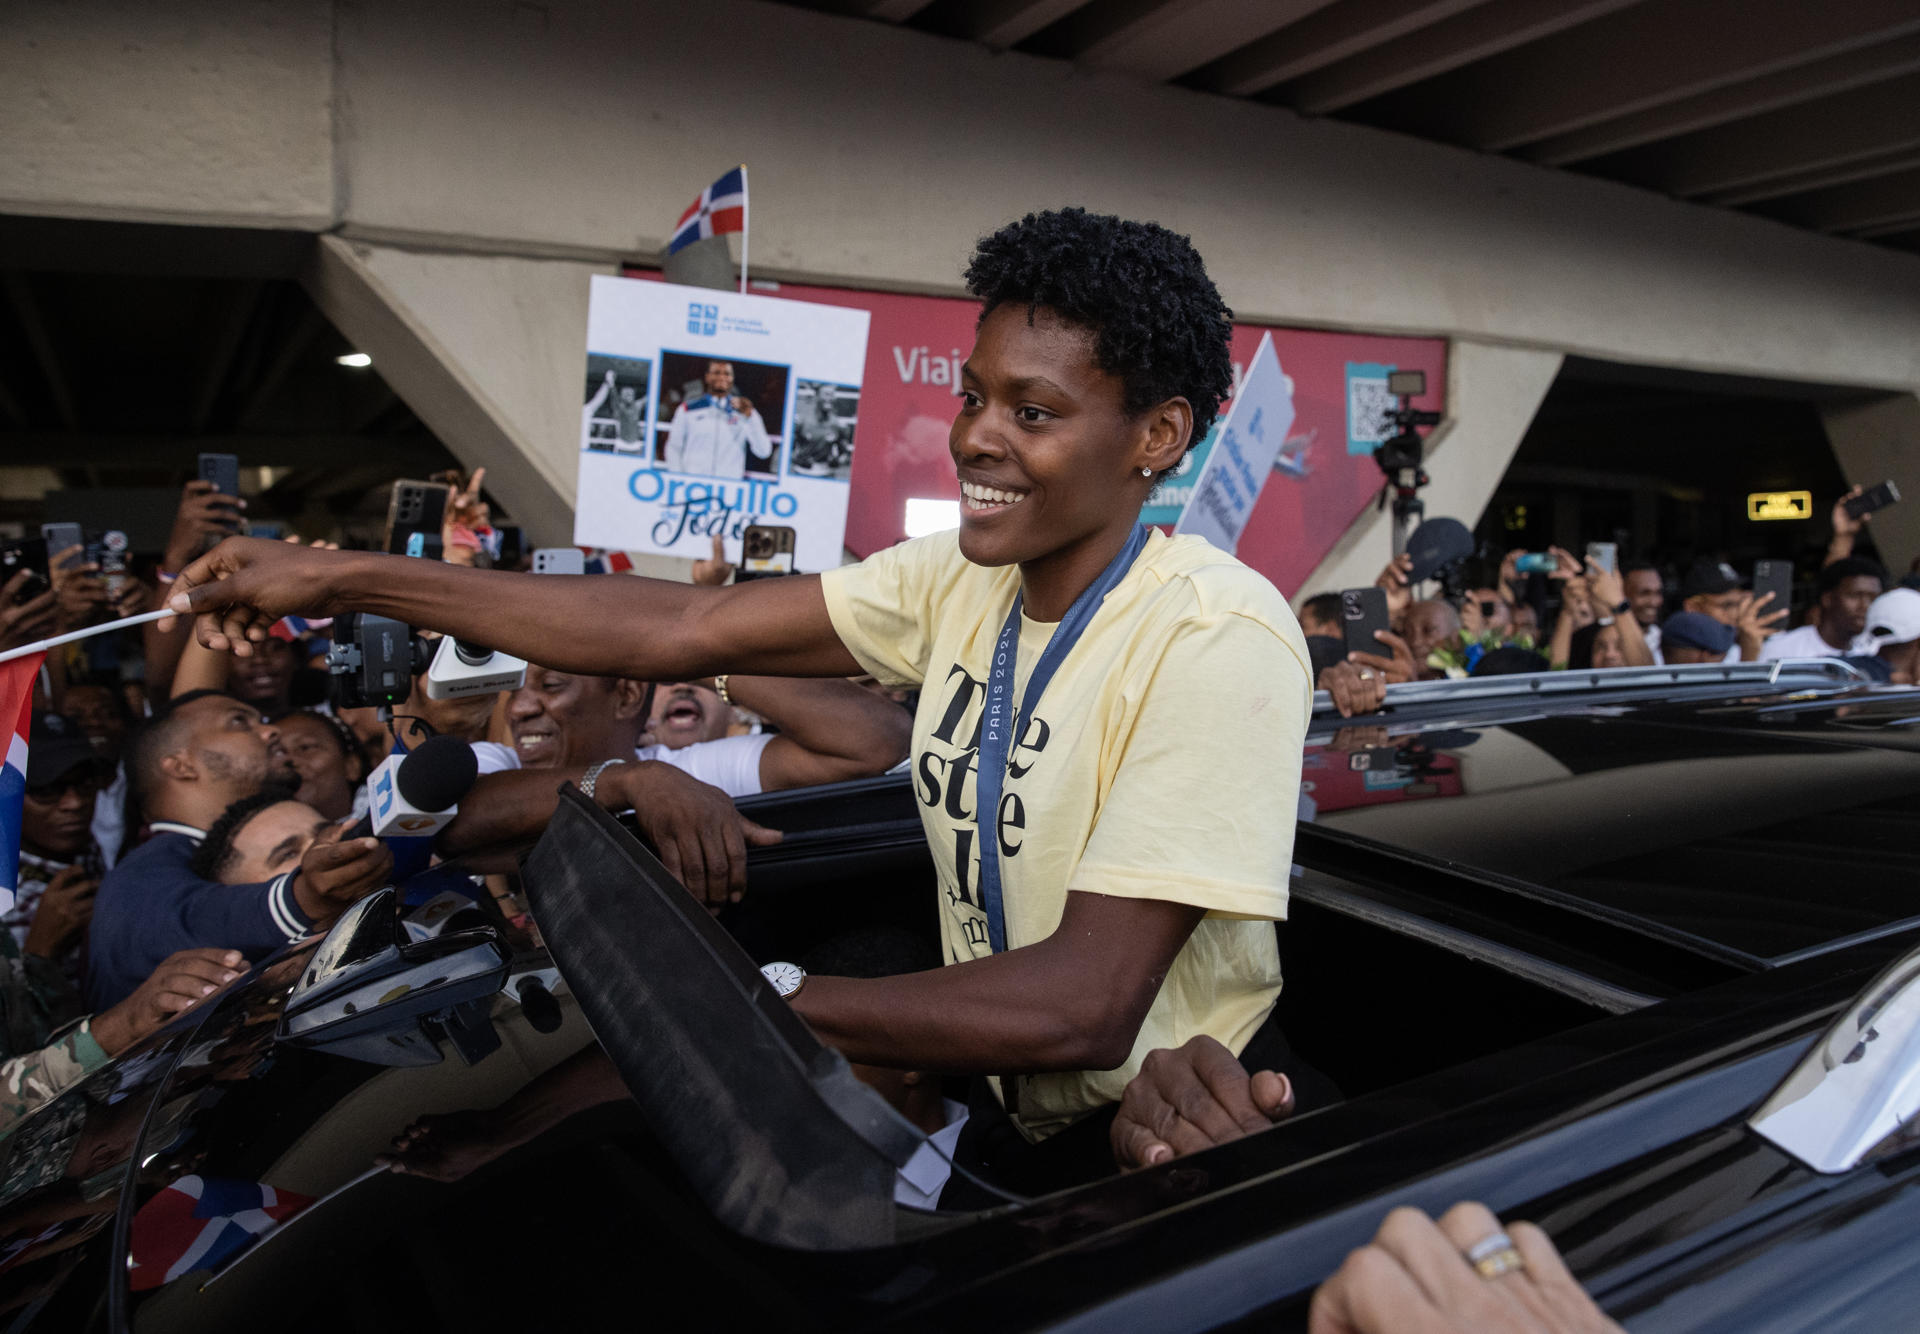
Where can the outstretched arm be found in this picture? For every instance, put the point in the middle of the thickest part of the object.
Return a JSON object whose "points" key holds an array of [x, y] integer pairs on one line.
{"points": [[595, 625]]}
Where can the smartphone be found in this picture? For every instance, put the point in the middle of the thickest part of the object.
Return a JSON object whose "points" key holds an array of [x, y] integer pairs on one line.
{"points": [[223, 470], [1374, 759], [766, 550], [59, 537], [1363, 611], [415, 509], [1775, 577], [559, 560], [1537, 562], [1605, 556], [29, 554], [1873, 498]]}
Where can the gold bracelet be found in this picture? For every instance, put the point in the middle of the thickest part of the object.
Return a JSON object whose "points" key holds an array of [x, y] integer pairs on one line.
{"points": [[720, 685]]}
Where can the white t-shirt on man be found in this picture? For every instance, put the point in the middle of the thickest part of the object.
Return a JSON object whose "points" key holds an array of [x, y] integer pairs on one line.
{"points": [[1805, 642], [731, 764]]}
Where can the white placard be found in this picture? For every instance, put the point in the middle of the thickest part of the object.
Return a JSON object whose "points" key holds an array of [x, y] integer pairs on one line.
{"points": [[1242, 456], [670, 453]]}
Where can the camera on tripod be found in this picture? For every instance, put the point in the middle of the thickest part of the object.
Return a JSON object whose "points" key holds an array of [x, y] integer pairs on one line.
{"points": [[1400, 454]]}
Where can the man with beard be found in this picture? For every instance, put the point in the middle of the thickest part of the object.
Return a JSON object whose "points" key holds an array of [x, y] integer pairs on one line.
{"points": [[712, 434], [206, 751]]}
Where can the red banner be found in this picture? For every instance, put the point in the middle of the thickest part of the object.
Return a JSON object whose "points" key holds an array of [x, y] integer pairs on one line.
{"points": [[914, 350]]}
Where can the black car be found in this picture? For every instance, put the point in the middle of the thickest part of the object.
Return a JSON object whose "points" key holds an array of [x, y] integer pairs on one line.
{"points": [[1630, 953]]}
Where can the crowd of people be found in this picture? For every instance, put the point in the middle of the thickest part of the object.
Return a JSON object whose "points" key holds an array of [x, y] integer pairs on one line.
{"points": [[1112, 967], [1638, 615]]}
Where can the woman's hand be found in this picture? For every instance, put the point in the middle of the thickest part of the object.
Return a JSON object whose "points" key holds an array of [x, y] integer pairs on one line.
{"points": [[1414, 1278]]}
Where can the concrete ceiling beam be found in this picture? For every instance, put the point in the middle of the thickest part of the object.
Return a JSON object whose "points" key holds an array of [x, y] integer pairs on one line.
{"points": [[1163, 39], [1644, 57], [1475, 35], [1318, 40], [1004, 23], [1886, 202], [1702, 111], [1876, 120]]}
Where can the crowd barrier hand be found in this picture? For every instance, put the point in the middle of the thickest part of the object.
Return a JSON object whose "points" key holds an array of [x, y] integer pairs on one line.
{"points": [[1396, 667], [701, 837], [182, 980]]}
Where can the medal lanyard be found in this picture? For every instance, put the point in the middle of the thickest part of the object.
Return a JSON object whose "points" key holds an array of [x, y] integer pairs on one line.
{"points": [[998, 725]]}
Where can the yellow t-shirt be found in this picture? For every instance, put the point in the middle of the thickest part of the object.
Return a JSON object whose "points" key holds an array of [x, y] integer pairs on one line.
{"points": [[1163, 762]]}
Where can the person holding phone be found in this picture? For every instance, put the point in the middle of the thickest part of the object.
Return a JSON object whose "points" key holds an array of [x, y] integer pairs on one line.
{"points": [[1843, 591], [1108, 869]]}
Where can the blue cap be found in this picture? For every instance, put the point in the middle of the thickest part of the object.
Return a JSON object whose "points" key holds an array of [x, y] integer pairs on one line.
{"points": [[1694, 629]]}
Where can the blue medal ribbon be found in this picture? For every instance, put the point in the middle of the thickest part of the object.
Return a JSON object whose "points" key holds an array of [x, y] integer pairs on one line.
{"points": [[998, 726]]}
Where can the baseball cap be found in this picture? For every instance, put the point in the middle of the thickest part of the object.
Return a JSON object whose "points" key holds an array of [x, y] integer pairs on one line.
{"points": [[1894, 617], [55, 748], [1695, 629], [1709, 577]]}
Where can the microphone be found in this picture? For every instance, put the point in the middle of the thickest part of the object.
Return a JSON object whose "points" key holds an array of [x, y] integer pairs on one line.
{"points": [[416, 794]]}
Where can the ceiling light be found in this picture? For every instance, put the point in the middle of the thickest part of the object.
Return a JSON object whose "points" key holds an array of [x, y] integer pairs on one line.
{"points": [[355, 359]]}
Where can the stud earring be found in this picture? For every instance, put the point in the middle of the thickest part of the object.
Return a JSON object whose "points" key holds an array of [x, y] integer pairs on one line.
{"points": [[1146, 472]]}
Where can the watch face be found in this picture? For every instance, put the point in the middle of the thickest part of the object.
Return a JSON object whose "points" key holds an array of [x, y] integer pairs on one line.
{"points": [[786, 977]]}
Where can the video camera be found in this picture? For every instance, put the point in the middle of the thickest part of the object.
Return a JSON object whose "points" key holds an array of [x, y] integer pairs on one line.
{"points": [[373, 660], [1399, 455]]}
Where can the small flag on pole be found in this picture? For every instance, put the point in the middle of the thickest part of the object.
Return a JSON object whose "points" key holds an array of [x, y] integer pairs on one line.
{"points": [[16, 713], [721, 208]]}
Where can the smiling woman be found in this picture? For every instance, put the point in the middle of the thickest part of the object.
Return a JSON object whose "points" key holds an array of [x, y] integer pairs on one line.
{"points": [[1088, 691]]}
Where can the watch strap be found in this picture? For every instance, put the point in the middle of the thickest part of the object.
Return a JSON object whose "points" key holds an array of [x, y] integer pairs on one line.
{"points": [[591, 778]]}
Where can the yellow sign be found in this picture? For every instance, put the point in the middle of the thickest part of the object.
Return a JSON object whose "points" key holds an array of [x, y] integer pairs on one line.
{"points": [[1780, 505]]}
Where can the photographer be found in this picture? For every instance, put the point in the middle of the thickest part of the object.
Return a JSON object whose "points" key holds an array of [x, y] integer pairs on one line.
{"points": [[1118, 895]]}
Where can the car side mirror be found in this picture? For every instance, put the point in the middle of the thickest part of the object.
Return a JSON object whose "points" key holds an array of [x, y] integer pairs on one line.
{"points": [[371, 994], [1855, 1096]]}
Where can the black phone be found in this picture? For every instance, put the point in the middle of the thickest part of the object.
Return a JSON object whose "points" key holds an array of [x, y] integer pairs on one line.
{"points": [[414, 512], [1775, 577], [1873, 498], [62, 536], [1362, 612], [766, 551], [29, 554], [223, 470]]}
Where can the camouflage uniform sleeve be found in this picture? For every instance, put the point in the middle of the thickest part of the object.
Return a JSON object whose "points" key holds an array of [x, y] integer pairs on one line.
{"points": [[31, 1081]]}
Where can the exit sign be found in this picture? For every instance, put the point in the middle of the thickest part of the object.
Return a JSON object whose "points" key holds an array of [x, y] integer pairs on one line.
{"points": [[1763, 505]]}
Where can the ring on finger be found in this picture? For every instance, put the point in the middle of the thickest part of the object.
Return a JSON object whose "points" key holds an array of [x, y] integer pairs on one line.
{"points": [[1495, 1255], [1366, 674]]}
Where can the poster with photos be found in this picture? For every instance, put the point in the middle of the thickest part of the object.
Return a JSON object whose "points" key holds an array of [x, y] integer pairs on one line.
{"points": [[708, 411]]}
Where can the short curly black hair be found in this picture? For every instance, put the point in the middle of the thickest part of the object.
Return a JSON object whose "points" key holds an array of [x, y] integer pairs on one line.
{"points": [[1157, 319]]}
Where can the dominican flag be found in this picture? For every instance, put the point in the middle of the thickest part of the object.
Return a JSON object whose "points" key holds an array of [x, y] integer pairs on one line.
{"points": [[721, 208], [16, 710], [598, 560], [201, 1223]]}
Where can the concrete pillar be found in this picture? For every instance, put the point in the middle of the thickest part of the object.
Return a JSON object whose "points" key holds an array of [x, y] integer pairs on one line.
{"points": [[1492, 394], [1876, 441], [490, 352]]}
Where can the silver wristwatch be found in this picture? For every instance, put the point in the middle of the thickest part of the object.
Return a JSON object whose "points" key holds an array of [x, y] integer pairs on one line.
{"points": [[591, 777], [787, 978]]}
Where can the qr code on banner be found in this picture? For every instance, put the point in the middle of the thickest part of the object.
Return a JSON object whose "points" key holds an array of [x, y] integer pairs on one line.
{"points": [[1368, 404]]}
